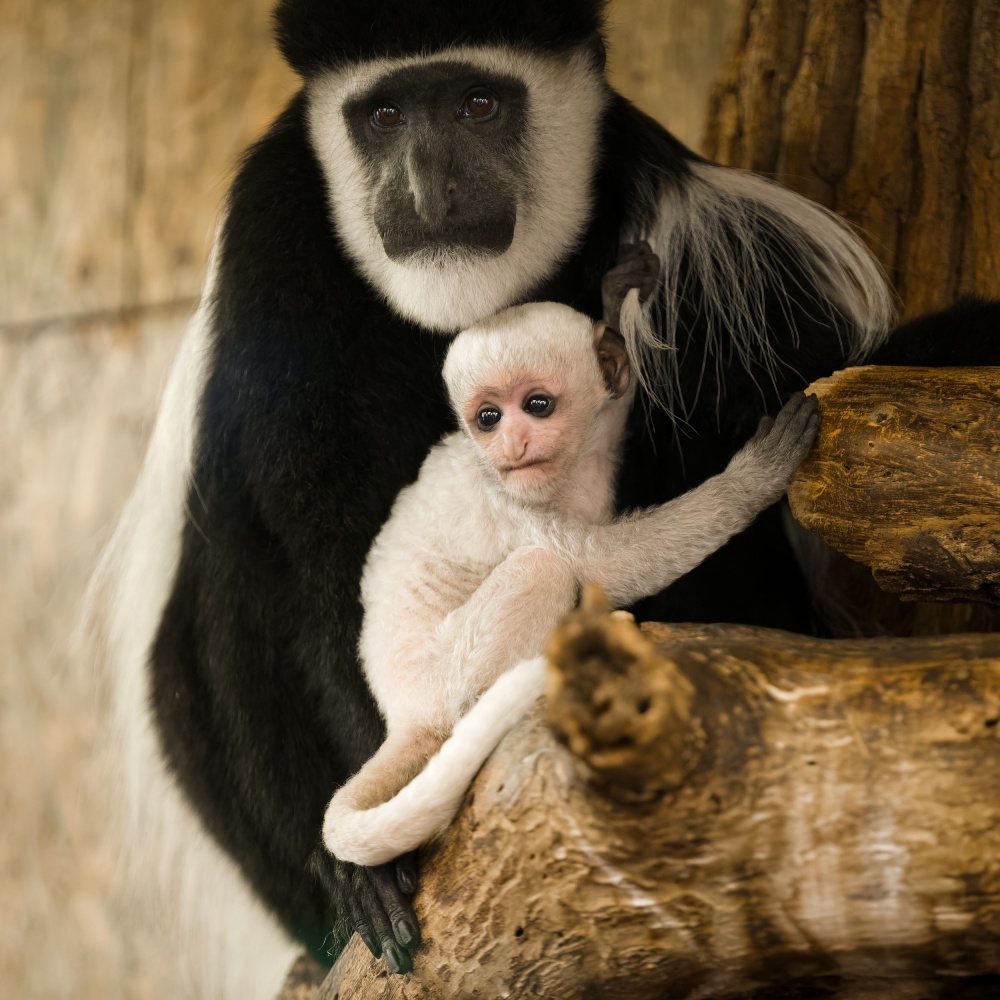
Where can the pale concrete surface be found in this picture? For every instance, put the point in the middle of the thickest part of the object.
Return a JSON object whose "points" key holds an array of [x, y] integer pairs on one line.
{"points": [[75, 411]]}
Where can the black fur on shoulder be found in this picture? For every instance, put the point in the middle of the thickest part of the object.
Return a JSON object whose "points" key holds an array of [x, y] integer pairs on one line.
{"points": [[964, 333], [322, 34]]}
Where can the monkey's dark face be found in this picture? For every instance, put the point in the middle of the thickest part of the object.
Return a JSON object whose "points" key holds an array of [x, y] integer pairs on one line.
{"points": [[458, 182], [442, 147]]}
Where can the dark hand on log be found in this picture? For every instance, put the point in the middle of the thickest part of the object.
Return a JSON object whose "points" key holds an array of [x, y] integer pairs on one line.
{"points": [[905, 478], [720, 811]]}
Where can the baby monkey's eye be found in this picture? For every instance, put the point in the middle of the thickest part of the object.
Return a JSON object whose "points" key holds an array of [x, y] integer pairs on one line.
{"points": [[539, 406], [488, 417]]}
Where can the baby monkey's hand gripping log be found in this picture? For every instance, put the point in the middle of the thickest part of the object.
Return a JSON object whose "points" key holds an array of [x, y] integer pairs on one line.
{"points": [[487, 550]]}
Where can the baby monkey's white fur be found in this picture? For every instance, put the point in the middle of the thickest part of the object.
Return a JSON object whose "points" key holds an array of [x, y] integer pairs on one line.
{"points": [[485, 552]]}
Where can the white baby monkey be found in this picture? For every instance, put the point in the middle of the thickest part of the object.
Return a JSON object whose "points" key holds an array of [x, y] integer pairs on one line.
{"points": [[485, 552]]}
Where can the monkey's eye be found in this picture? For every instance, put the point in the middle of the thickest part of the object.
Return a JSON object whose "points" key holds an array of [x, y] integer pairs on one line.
{"points": [[539, 405], [387, 116], [480, 104], [488, 417]]}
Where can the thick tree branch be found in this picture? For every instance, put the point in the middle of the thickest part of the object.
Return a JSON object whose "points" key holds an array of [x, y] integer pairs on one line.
{"points": [[905, 478], [830, 818]]}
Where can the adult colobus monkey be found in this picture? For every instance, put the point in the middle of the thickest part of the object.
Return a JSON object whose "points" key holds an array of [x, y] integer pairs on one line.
{"points": [[443, 160]]}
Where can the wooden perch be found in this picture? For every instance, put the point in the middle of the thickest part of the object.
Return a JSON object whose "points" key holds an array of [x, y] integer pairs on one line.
{"points": [[905, 478], [722, 811]]}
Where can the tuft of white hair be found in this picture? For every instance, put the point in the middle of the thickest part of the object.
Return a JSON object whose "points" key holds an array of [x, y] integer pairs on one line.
{"points": [[723, 226]]}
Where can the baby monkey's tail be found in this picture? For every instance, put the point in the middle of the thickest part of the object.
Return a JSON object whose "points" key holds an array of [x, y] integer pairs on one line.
{"points": [[429, 802]]}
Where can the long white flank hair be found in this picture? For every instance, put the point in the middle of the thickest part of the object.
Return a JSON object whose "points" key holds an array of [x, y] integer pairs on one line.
{"points": [[220, 938], [723, 236]]}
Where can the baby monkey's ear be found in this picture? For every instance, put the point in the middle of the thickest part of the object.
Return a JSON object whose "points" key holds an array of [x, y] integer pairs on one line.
{"points": [[612, 356]]}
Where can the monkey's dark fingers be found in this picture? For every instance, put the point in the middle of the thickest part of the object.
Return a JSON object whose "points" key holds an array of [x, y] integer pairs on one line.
{"points": [[792, 406], [639, 263], [808, 436], [791, 423], [406, 873], [339, 887], [650, 276], [397, 958], [763, 429], [397, 907], [362, 925]]}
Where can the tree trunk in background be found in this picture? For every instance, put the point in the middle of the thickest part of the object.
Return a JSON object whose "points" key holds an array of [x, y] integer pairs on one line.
{"points": [[889, 114]]}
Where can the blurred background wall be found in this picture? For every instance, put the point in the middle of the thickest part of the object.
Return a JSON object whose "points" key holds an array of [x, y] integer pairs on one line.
{"points": [[120, 123]]}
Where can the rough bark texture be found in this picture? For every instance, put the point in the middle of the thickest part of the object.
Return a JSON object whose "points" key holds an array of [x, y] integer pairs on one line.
{"points": [[304, 978], [905, 478], [724, 812], [888, 113]]}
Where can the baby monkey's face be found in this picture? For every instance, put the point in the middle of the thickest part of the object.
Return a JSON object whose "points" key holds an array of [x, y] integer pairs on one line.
{"points": [[527, 430]]}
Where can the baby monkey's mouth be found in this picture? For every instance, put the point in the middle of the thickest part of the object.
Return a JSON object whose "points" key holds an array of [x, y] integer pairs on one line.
{"points": [[530, 464]]}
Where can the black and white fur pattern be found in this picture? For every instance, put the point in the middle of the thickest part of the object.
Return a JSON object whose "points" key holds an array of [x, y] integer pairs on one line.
{"points": [[449, 291], [439, 632], [171, 865], [307, 394], [708, 235]]}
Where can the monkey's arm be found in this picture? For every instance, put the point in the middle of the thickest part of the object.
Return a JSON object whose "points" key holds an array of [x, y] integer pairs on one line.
{"points": [[641, 554], [506, 620]]}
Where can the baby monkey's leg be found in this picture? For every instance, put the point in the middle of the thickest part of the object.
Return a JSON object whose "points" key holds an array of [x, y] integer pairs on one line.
{"points": [[393, 766], [507, 619]]}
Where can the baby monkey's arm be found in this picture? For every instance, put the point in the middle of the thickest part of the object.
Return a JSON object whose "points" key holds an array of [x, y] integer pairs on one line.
{"points": [[642, 553]]}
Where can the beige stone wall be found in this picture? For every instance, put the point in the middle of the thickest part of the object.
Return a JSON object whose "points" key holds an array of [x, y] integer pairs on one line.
{"points": [[665, 55], [120, 121]]}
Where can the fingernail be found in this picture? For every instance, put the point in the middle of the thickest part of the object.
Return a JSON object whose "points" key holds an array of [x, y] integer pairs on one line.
{"points": [[373, 946], [397, 959], [405, 932], [407, 882]]}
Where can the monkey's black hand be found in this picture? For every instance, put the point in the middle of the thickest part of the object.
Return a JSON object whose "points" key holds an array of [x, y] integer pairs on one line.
{"points": [[375, 902], [638, 267], [766, 463]]}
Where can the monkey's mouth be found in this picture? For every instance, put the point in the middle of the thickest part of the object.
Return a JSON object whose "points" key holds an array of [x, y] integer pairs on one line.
{"points": [[483, 237], [522, 466]]}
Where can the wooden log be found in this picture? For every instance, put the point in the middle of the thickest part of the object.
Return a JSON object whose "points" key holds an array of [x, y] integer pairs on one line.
{"points": [[721, 811], [303, 979], [905, 478]]}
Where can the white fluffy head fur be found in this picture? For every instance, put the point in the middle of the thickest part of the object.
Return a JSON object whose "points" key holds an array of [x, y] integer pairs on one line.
{"points": [[452, 290], [529, 340]]}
